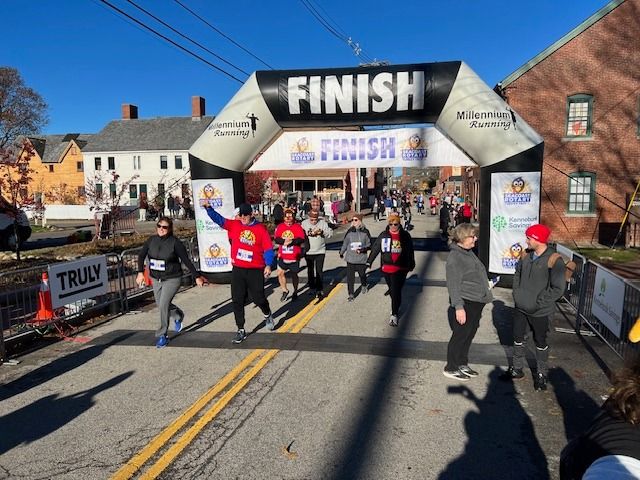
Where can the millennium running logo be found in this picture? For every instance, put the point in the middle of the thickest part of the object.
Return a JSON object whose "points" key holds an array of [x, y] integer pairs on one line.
{"points": [[495, 119], [302, 151], [414, 148], [517, 192]]}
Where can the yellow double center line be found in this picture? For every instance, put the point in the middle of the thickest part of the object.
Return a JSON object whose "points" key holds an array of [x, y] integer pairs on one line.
{"points": [[260, 356]]}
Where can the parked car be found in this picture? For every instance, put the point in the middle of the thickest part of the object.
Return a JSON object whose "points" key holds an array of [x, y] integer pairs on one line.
{"points": [[8, 216]]}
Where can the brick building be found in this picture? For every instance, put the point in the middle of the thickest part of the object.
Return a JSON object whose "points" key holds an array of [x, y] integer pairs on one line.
{"points": [[582, 94]]}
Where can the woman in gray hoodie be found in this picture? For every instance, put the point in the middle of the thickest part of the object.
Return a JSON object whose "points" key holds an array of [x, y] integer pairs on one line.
{"points": [[469, 292], [356, 244]]}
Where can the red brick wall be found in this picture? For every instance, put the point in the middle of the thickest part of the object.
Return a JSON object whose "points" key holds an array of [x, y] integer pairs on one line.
{"points": [[603, 61]]}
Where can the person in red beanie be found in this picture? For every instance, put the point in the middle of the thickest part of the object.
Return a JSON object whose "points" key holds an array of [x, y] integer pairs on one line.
{"points": [[536, 288]]}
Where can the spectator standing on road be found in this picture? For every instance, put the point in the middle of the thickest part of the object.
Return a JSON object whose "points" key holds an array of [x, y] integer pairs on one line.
{"points": [[143, 204], [397, 260], [375, 209], [165, 252], [444, 220], [465, 213], [317, 231], [186, 206], [278, 213], [611, 444], [251, 257], [159, 204], [290, 237], [356, 244], [536, 287], [469, 291], [176, 206], [170, 205], [433, 204]]}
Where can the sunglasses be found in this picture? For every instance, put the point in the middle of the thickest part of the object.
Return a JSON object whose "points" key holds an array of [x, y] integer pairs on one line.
{"points": [[355, 219], [394, 224], [163, 227]]}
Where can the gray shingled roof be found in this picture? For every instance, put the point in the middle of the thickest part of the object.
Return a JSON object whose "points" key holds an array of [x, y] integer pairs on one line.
{"points": [[51, 147], [138, 135]]}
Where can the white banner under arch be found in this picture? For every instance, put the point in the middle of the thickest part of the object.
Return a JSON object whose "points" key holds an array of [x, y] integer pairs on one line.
{"points": [[400, 147]]}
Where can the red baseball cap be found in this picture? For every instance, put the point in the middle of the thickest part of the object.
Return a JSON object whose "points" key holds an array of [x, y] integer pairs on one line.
{"points": [[538, 232]]}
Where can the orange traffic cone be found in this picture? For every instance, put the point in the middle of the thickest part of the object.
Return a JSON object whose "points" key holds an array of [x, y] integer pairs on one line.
{"points": [[45, 310], [147, 277]]}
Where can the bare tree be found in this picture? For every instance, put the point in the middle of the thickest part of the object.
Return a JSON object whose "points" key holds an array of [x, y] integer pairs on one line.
{"points": [[107, 205], [22, 109]]}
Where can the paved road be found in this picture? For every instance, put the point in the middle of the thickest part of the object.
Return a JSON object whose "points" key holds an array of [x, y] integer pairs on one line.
{"points": [[334, 393]]}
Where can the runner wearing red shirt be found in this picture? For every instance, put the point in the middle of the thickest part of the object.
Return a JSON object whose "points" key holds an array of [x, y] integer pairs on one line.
{"points": [[251, 256], [289, 236]]}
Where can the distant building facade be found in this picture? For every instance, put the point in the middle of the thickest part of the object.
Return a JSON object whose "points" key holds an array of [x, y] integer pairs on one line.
{"points": [[151, 154]]}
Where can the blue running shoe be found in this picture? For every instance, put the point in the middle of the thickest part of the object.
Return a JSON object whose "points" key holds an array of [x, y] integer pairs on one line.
{"points": [[178, 325], [163, 341]]}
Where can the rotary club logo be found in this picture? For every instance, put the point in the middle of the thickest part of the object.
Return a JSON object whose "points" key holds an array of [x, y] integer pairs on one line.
{"points": [[414, 148], [210, 196], [511, 256], [302, 151], [396, 247], [287, 235], [216, 256], [517, 192]]}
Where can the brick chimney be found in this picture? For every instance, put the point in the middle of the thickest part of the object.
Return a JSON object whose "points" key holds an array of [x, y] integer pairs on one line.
{"points": [[197, 108], [129, 112]]}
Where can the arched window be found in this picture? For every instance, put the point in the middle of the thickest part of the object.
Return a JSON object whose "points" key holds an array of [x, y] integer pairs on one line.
{"points": [[582, 188], [579, 115]]}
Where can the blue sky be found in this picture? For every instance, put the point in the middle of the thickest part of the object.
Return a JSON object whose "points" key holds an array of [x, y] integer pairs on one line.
{"points": [[86, 61]]}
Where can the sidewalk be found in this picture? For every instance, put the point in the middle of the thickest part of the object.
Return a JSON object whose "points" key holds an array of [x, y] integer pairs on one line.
{"points": [[359, 398]]}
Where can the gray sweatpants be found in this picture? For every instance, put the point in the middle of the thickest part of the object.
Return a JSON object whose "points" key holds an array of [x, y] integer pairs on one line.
{"points": [[163, 292]]}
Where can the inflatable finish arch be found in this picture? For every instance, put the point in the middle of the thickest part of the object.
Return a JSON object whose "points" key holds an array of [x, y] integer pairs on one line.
{"points": [[447, 94]]}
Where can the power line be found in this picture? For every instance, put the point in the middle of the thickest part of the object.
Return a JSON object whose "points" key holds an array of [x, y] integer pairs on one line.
{"points": [[336, 31], [186, 37], [186, 50], [222, 33]]}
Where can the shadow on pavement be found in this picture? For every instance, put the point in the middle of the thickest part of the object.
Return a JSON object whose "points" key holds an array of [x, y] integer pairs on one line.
{"points": [[59, 366], [48, 414], [501, 437]]}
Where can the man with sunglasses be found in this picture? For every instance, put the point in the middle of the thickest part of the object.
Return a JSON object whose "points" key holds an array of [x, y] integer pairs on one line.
{"points": [[251, 257], [165, 252], [289, 236]]}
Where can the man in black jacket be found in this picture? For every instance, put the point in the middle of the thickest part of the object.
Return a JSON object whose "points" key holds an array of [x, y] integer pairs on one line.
{"points": [[536, 288]]}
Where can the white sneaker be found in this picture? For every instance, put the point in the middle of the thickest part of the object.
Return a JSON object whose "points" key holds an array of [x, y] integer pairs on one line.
{"points": [[393, 320]]}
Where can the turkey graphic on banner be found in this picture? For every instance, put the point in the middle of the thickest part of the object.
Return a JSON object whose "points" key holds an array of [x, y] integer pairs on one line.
{"points": [[215, 248], [515, 205]]}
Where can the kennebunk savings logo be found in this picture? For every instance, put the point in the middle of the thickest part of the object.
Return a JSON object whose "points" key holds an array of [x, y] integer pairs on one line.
{"points": [[504, 120]]}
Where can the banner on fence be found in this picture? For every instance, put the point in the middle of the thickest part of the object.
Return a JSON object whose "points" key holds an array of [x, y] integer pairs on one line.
{"points": [[608, 300], [215, 249], [77, 280], [515, 205]]}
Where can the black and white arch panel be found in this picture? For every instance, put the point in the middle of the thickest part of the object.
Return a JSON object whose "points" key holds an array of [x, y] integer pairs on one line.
{"points": [[447, 94]]}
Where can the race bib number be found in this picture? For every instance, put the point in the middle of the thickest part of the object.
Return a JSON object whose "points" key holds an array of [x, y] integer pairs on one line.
{"points": [[244, 255], [287, 249], [356, 246], [157, 265]]}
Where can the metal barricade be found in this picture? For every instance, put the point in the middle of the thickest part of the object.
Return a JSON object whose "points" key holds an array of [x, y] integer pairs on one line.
{"points": [[21, 304], [630, 312]]}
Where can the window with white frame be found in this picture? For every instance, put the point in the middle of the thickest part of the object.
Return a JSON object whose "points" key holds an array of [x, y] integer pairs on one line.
{"points": [[111, 163], [178, 159], [581, 192], [579, 115], [163, 162], [136, 162]]}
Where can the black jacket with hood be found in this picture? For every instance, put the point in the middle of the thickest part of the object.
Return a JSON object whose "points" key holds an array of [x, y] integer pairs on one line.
{"points": [[165, 254], [406, 260]]}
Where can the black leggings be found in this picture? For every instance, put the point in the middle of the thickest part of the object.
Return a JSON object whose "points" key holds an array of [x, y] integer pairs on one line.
{"points": [[315, 264], [395, 282], [247, 281], [462, 335]]}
